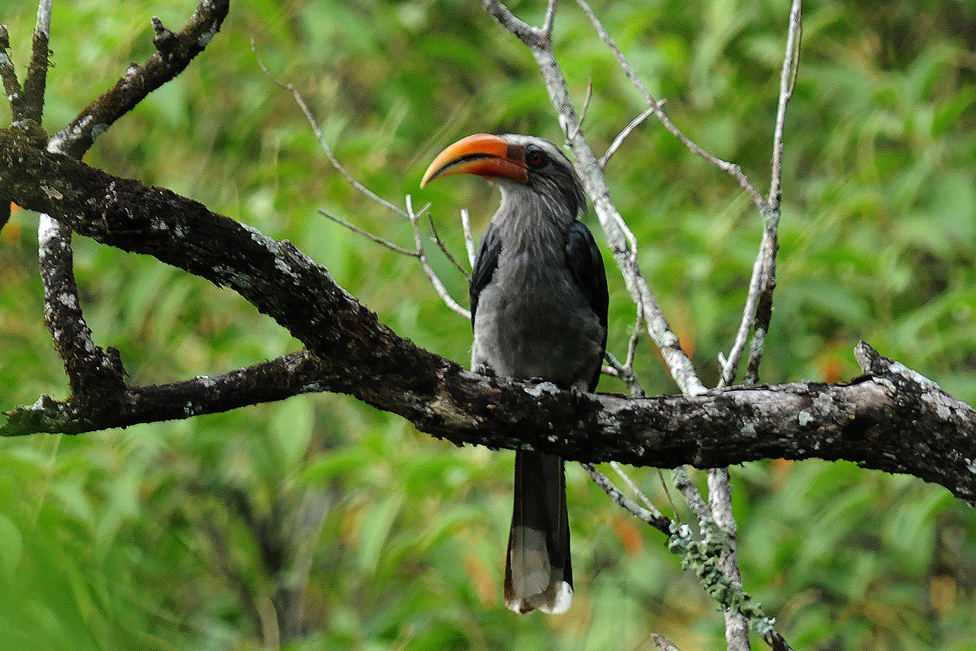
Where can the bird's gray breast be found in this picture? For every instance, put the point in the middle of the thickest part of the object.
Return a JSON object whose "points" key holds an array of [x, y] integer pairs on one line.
{"points": [[532, 319]]}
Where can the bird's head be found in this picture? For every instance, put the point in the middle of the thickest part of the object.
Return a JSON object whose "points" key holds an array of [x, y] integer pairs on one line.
{"points": [[517, 164]]}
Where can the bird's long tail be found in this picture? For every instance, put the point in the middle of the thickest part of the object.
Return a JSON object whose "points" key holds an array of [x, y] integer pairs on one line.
{"points": [[538, 572]]}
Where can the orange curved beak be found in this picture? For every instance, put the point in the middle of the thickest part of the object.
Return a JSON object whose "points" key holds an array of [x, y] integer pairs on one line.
{"points": [[482, 154]]}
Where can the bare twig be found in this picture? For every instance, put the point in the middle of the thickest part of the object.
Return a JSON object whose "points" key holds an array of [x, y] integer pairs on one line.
{"points": [[730, 364], [375, 238], [720, 500], [422, 255], [663, 643], [586, 107], [323, 143], [764, 299], [652, 517], [36, 79], [725, 166], [758, 309], [625, 371], [786, 83], [619, 140], [550, 19], [770, 243], [409, 213], [11, 85], [635, 338], [667, 493], [469, 245], [682, 481], [633, 487], [443, 247]]}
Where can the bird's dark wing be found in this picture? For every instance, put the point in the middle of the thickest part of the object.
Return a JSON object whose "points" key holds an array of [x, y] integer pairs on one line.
{"points": [[485, 264], [586, 265]]}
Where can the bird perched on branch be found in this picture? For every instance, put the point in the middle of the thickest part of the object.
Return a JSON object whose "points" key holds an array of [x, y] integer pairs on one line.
{"points": [[539, 311]]}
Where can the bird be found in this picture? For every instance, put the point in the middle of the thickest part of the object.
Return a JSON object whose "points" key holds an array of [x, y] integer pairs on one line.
{"points": [[539, 305]]}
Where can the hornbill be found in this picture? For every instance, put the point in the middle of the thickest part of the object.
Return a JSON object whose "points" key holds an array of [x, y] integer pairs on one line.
{"points": [[539, 312]]}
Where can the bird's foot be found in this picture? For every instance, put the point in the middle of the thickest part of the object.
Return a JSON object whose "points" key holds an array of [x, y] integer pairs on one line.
{"points": [[484, 369], [578, 396]]}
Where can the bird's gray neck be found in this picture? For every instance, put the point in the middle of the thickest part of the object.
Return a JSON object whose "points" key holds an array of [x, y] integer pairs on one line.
{"points": [[527, 218]]}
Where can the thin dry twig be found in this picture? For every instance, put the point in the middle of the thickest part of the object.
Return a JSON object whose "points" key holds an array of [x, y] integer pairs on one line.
{"points": [[730, 365], [586, 107], [615, 368], [469, 245], [663, 643], [409, 213], [619, 140], [435, 236], [422, 255], [634, 488], [652, 517], [770, 243], [643, 497], [667, 493], [36, 79], [550, 19], [725, 166], [11, 85], [323, 143], [757, 312], [625, 371], [635, 338], [370, 236], [791, 63]]}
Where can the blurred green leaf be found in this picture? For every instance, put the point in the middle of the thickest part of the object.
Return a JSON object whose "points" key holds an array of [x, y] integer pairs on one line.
{"points": [[374, 530]]}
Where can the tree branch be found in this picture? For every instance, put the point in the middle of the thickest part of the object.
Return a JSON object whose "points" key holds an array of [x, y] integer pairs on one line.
{"points": [[95, 377], [175, 50], [892, 419], [11, 85], [36, 79], [730, 168]]}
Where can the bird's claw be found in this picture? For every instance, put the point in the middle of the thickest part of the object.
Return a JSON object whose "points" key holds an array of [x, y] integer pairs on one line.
{"points": [[577, 396], [484, 369]]}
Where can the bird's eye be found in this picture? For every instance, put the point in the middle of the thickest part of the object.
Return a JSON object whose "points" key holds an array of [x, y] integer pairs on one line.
{"points": [[535, 157]]}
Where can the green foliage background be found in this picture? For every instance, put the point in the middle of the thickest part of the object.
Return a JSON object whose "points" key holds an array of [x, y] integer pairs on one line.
{"points": [[358, 531]]}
